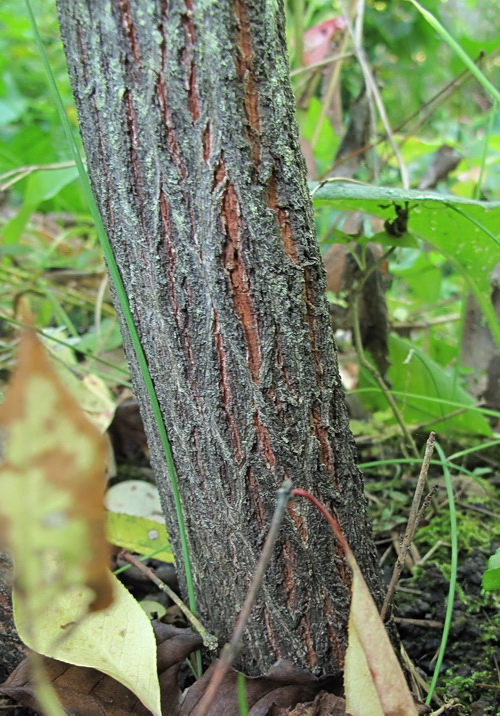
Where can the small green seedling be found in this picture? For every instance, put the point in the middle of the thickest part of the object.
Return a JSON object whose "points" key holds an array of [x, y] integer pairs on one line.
{"points": [[491, 576]]}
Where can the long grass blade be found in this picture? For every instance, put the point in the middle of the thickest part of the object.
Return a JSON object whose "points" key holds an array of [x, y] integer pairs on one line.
{"points": [[453, 576], [468, 62]]}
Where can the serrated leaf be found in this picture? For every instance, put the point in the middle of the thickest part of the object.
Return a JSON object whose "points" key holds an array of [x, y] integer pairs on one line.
{"points": [[119, 641], [139, 534]]}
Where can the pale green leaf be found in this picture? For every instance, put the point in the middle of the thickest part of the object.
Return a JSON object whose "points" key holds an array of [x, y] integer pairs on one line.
{"points": [[373, 679], [119, 641]]}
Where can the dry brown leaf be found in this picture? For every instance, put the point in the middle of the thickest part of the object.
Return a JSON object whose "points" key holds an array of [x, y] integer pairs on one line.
{"points": [[87, 692]]}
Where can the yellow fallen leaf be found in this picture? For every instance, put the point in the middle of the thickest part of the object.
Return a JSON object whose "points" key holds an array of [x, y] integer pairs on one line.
{"points": [[373, 679], [119, 640], [52, 487], [138, 534]]}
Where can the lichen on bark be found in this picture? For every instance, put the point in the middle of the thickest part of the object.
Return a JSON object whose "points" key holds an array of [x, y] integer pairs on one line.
{"points": [[187, 119]]}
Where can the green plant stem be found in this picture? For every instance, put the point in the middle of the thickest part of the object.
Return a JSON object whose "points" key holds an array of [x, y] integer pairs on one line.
{"points": [[436, 25], [71, 346], [241, 689], [298, 31], [453, 576], [45, 693], [412, 461], [36, 283], [484, 156], [127, 315], [476, 448]]}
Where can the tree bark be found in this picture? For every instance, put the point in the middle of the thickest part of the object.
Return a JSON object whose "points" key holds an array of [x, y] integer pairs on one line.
{"points": [[187, 120]]}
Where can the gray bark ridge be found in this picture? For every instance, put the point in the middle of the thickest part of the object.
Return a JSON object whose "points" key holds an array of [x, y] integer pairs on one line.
{"points": [[187, 120]]}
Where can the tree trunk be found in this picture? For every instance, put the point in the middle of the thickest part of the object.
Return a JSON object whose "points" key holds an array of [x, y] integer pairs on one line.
{"points": [[187, 120]]}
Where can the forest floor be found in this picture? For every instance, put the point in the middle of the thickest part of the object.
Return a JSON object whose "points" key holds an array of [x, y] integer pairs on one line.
{"points": [[469, 682], [470, 673]]}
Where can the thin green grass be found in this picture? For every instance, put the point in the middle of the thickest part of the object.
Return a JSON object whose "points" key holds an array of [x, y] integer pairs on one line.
{"points": [[430, 399], [453, 576], [241, 689]]}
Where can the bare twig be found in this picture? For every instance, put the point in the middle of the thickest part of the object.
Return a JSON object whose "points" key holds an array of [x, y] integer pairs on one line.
{"points": [[231, 650], [431, 105], [426, 623], [412, 524]]}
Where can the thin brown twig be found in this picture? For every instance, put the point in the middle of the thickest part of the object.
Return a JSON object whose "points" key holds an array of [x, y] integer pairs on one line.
{"points": [[231, 650], [411, 526], [327, 61], [428, 623], [209, 640], [373, 90]]}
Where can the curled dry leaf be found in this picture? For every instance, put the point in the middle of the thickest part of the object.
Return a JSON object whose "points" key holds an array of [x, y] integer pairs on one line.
{"points": [[87, 692]]}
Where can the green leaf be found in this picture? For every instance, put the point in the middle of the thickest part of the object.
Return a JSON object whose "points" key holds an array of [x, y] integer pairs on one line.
{"points": [[407, 240], [465, 231], [47, 183], [12, 103], [413, 373], [138, 534], [491, 577]]}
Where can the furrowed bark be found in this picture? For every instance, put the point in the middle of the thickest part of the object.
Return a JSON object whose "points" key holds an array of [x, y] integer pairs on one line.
{"points": [[187, 120]]}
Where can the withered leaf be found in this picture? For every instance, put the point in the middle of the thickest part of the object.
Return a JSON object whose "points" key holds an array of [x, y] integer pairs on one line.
{"points": [[87, 692]]}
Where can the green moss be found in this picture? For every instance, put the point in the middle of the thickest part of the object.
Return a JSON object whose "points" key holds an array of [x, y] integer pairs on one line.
{"points": [[466, 688]]}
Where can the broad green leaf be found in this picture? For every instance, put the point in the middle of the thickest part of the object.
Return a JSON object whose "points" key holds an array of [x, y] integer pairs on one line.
{"points": [[138, 534], [327, 142], [118, 641], [41, 185], [465, 231], [413, 373], [12, 103], [491, 577], [46, 183]]}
